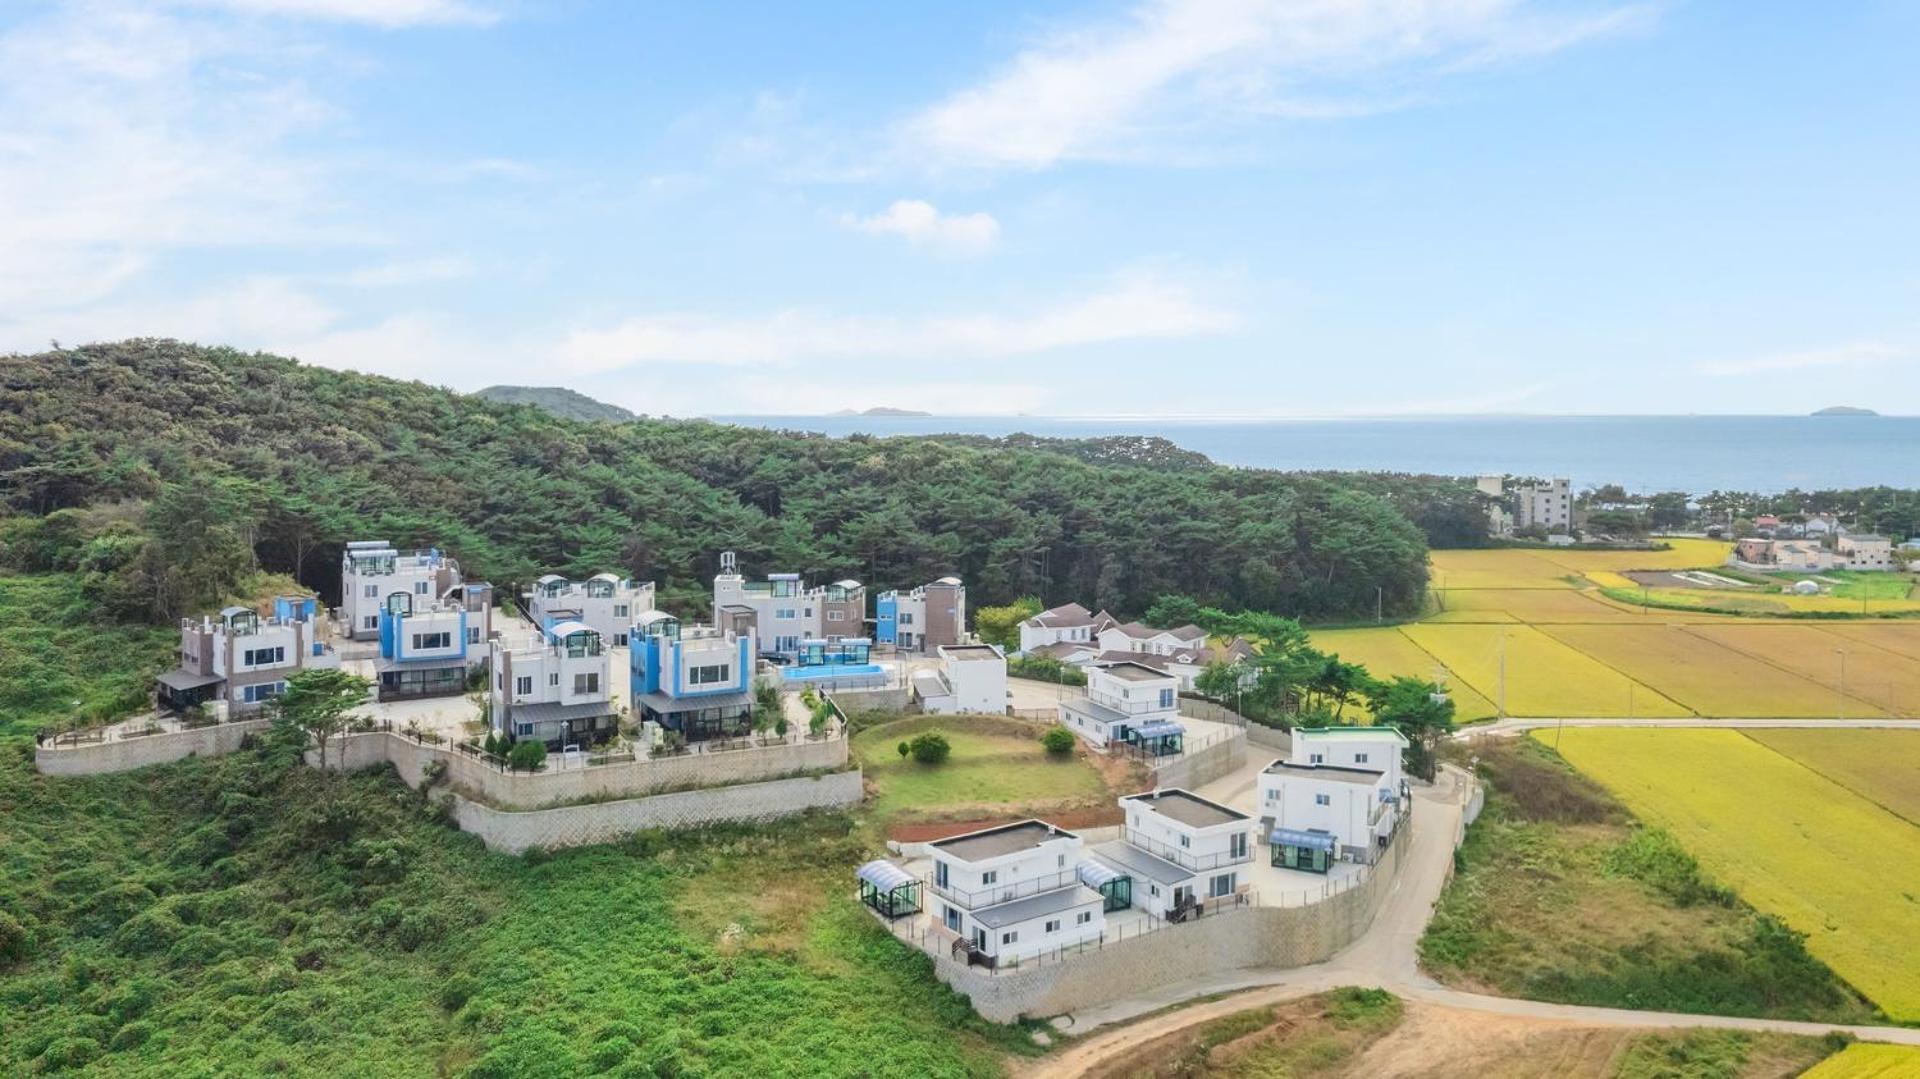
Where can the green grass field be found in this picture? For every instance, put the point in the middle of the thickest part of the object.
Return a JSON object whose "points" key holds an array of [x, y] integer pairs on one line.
{"points": [[997, 766]]}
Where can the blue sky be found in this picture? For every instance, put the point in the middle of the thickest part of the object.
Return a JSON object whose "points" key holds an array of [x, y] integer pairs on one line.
{"points": [[1182, 207]]}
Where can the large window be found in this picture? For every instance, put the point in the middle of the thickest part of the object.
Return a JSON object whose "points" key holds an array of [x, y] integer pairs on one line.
{"points": [[262, 657], [422, 641], [1166, 698], [263, 692], [586, 683], [712, 674], [523, 686]]}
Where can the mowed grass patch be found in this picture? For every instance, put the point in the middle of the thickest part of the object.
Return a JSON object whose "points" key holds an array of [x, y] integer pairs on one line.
{"points": [[1882, 766], [1789, 840], [995, 764], [1702, 674], [1888, 680], [1868, 1060], [1386, 652], [1544, 677], [1558, 894]]}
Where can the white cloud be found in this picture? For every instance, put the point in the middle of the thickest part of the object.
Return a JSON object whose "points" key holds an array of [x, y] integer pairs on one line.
{"points": [[411, 272], [923, 225], [1108, 90], [1134, 308], [750, 395], [1850, 354], [255, 312], [384, 13]]}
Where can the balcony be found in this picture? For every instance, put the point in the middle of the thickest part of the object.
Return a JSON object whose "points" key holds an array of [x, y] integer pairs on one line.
{"points": [[995, 894], [1182, 856], [1132, 708]]}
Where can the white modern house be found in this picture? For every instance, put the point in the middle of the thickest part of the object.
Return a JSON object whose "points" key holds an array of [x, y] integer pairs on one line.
{"points": [[238, 660], [1337, 797], [1068, 624], [1181, 851], [1146, 640], [781, 612], [693, 680], [605, 601], [924, 619], [1864, 551], [1014, 891], [554, 688], [971, 678], [1127, 703], [372, 570], [425, 645]]}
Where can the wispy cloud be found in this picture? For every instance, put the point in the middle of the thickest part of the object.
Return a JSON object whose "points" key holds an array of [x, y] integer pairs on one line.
{"points": [[384, 13], [923, 225], [1138, 307], [1105, 90], [410, 272], [1850, 354]]}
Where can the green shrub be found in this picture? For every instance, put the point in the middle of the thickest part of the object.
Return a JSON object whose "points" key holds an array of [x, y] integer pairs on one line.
{"points": [[527, 756], [13, 939], [1653, 857], [903, 749], [1057, 740], [929, 747]]}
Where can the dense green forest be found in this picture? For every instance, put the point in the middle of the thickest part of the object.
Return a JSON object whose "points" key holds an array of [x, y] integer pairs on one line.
{"points": [[161, 471], [558, 400]]}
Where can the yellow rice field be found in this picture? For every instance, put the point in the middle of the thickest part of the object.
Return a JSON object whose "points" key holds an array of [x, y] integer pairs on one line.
{"points": [[1888, 680], [1901, 637], [1703, 675], [1543, 676], [1792, 842], [1387, 652], [1879, 765], [1534, 605], [1868, 1060]]}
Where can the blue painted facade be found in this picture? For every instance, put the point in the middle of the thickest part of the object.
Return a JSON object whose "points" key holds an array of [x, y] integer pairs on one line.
{"points": [[655, 664], [886, 613], [394, 637]]}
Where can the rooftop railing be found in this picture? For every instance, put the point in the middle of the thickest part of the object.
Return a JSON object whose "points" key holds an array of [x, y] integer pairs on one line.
{"points": [[1184, 857], [995, 894]]}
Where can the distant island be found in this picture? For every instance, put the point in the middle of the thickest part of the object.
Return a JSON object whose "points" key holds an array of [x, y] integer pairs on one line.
{"points": [[1845, 410], [560, 401], [882, 411]]}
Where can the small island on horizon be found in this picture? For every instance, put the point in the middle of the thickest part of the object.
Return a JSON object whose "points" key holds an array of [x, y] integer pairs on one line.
{"points": [[1845, 410], [881, 410]]}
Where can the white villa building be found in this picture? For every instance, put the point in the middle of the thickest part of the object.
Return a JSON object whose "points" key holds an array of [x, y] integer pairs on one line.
{"points": [[923, 620], [1183, 852], [238, 660], [1015, 891], [1337, 796], [1126, 702], [605, 601], [554, 688], [1069, 624], [781, 612], [426, 645], [694, 680], [372, 570], [1863, 551], [971, 678]]}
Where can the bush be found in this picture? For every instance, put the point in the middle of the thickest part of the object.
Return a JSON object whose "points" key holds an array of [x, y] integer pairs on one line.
{"points": [[13, 939], [929, 747], [1057, 740], [528, 756], [903, 749]]}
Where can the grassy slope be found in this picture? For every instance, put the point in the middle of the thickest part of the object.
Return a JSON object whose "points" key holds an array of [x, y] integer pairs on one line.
{"points": [[52, 654], [1560, 896], [996, 765]]}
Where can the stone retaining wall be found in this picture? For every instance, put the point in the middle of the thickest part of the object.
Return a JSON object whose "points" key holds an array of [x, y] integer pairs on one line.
{"points": [[516, 831], [1237, 939], [126, 754], [1196, 769], [1269, 738]]}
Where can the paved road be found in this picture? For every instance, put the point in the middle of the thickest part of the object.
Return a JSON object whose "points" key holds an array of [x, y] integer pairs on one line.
{"points": [[1386, 957]]}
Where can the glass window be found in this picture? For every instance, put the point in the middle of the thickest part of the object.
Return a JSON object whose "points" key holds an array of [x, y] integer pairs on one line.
{"points": [[1053, 925], [1322, 800], [586, 683], [523, 685]]}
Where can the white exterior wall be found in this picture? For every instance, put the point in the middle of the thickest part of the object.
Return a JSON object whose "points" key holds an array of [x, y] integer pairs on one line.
{"points": [[1017, 875], [1357, 749], [1032, 637], [552, 672], [270, 635], [1549, 505], [610, 616], [796, 616], [1211, 846], [1354, 812], [979, 685], [1144, 699], [1031, 937], [708, 652], [427, 622], [413, 573], [1866, 554]]}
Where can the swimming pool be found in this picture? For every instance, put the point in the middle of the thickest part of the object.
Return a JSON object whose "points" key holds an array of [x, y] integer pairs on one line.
{"points": [[835, 672]]}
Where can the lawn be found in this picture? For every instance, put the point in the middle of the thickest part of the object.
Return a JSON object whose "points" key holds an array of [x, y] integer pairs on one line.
{"points": [[1559, 894], [1789, 840], [1385, 651], [997, 765], [1856, 584], [1684, 664], [1881, 766], [1886, 679], [1543, 676]]}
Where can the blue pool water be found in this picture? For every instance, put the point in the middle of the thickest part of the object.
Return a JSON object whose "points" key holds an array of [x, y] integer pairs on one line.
{"points": [[827, 672]]}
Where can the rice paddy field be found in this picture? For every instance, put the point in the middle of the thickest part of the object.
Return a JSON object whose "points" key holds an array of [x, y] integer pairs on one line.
{"points": [[1579, 644], [1868, 1060], [1799, 829]]}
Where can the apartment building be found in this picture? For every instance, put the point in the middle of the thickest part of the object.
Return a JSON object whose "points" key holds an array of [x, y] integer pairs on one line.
{"points": [[1546, 505], [1014, 891], [237, 660], [779, 613], [606, 601], [924, 619], [693, 680], [372, 570], [554, 687]]}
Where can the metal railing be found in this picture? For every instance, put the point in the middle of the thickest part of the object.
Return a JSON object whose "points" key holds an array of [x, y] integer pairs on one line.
{"points": [[1182, 856], [995, 894]]}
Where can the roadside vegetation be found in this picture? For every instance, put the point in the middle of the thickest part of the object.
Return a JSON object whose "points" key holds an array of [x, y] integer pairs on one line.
{"points": [[1560, 894], [1318, 1035], [61, 663]]}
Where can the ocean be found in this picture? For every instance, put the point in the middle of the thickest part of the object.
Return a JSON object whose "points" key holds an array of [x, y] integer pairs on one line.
{"points": [[1696, 454]]}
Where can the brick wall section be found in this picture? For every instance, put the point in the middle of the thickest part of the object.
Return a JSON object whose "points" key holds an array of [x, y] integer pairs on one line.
{"points": [[127, 754], [1238, 939], [516, 831], [1199, 768]]}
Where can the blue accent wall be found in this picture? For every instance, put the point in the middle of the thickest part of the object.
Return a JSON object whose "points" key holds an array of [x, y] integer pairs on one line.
{"points": [[886, 610]]}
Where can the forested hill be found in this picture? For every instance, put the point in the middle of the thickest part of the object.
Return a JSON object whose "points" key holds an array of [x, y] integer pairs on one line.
{"points": [[562, 402], [163, 469]]}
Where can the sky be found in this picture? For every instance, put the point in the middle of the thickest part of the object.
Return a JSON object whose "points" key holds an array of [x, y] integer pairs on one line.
{"points": [[1162, 208]]}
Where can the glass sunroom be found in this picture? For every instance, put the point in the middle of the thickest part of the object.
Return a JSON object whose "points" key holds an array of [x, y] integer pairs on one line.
{"points": [[1115, 887], [1309, 851], [890, 890], [1160, 738]]}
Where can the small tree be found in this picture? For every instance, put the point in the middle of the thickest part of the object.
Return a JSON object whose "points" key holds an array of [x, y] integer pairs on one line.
{"points": [[318, 705], [1219, 680], [822, 715], [929, 747], [1001, 625], [1057, 740], [903, 749], [1423, 714], [780, 727], [527, 756]]}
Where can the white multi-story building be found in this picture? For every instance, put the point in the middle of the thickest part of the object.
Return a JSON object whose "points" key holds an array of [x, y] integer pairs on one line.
{"points": [[1014, 891], [696, 681], [427, 646], [554, 688], [1546, 505], [1337, 796], [1068, 624], [781, 612], [1182, 851], [606, 601], [1125, 702], [240, 661], [372, 570], [971, 678], [924, 619], [1863, 551]]}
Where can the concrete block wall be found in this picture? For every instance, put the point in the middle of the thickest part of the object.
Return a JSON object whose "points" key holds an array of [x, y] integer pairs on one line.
{"points": [[1237, 939], [514, 831], [1196, 769], [125, 754], [1272, 740]]}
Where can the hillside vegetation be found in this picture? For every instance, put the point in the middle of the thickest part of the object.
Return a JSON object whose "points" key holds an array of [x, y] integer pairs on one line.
{"points": [[558, 400], [256, 455]]}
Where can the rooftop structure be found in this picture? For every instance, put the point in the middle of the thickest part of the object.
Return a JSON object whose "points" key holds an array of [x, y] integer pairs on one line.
{"points": [[605, 601], [923, 619]]}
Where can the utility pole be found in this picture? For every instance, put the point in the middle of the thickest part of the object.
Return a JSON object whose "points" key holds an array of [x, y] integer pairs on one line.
{"points": [[1379, 603]]}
